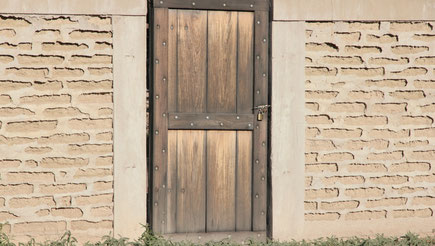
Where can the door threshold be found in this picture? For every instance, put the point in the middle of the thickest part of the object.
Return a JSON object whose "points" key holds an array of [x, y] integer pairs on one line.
{"points": [[232, 236]]}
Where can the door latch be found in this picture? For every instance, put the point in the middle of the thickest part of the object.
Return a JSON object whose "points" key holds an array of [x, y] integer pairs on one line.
{"points": [[261, 110]]}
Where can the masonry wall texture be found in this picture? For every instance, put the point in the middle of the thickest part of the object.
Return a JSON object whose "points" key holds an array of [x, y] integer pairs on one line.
{"points": [[370, 136], [56, 126]]}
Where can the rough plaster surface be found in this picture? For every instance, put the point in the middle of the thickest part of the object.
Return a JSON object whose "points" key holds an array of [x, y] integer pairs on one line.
{"points": [[56, 126]]}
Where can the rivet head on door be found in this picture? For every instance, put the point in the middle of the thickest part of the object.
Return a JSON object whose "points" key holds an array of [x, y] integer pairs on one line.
{"points": [[164, 115], [257, 196], [172, 27], [262, 213], [258, 22], [157, 132], [157, 61], [258, 57], [252, 5], [257, 161], [155, 204], [238, 117], [207, 117], [262, 178], [249, 125], [224, 4], [193, 3], [157, 96], [161, 2], [264, 40], [176, 117], [191, 124], [164, 43], [156, 168], [164, 79], [221, 124], [264, 75]]}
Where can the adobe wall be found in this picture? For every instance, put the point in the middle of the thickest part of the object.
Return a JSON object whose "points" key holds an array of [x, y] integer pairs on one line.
{"points": [[368, 118]]}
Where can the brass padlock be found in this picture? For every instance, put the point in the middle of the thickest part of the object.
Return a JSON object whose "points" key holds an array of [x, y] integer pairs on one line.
{"points": [[260, 115]]}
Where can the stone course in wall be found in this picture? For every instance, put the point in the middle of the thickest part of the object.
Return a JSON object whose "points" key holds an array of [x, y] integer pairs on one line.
{"points": [[370, 110], [56, 126]]}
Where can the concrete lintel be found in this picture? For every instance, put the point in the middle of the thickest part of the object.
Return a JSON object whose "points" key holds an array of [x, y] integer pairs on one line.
{"points": [[335, 10], [74, 7], [130, 173], [288, 129]]}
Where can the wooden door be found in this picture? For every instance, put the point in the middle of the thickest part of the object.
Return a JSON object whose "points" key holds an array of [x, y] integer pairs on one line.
{"points": [[209, 157]]}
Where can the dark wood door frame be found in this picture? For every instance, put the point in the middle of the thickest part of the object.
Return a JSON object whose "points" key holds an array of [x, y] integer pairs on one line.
{"points": [[161, 119]]}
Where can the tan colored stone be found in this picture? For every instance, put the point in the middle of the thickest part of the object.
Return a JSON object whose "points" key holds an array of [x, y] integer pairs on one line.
{"points": [[46, 99], [410, 167], [105, 211], [423, 155], [90, 84], [320, 71], [67, 72], [10, 85], [338, 156], [408, 49], [391, 83], [63, 112], [86, 60], [103, 97], [364, 25], [7, 33], [32, 177], [40, 60], [425, 132], [424, 178], [389, 180], [35, 73], [322, 216], [5, 216], [38, 150], [364, 192], [339, 205], [342, 60], [321, 94], [396, 201], [321, 47], [424, 84], [378, 144], [366, 95], [63, 162], [100, 71], [93, 172], [43, 212], [424, 37], [64, 201], [312, 106], [61, 46], [104, 136], [6, 59], [311, 132], [366, 120], [102, 45], [319, 145], [408, 213], [347, 107], [415, 120], [321, 167], [410, 26], [386, 38], [105, 112], [62, 188], [341, 133], [79, 124], [365, 215], [103, 185], [347, 37], [411, 71], [52, 85], [385, 156], [31, 126], [388, 61], [90, 34], [21, 202], [408, 190], [312, 194], [388, 133], [310, 205], [318, 119], [311, 157], [16, 189], [424, 200], [5, 99], [389, 108], [363, 72], [425, 60], [9, 163], [411, 144], [31, 163], [62, 138], [39, 228], [360, 50], [346, 180], [104, 161], [67, 212], [15, 140], [59, 21], [94, 199]]}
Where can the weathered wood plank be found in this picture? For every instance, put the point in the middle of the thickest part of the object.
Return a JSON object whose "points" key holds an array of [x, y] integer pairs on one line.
{"points": [[221, 163], [245, 60], [160, 122], [172, 60], [211, 121], [202, 238], [244, 5], [244, 181], [171, 201], [191, 178], [260, 129], [222, 62], [192, 66]]}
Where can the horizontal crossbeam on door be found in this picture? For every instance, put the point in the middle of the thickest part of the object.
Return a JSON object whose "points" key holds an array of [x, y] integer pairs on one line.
{"points": [[243, 5], [200, 238], [212, 121]]}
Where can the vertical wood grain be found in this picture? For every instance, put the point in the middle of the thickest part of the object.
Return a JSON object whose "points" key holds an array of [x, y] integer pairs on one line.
{"points": [[244, 181], [221, 164], [260, 130], [222, 62], [160, 122], [171, 202], [191, 178], [192, 67], [245, 62], [172, 59]]}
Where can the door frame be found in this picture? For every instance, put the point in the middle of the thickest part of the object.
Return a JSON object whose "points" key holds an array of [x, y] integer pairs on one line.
{"points": [[157, 77]]}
